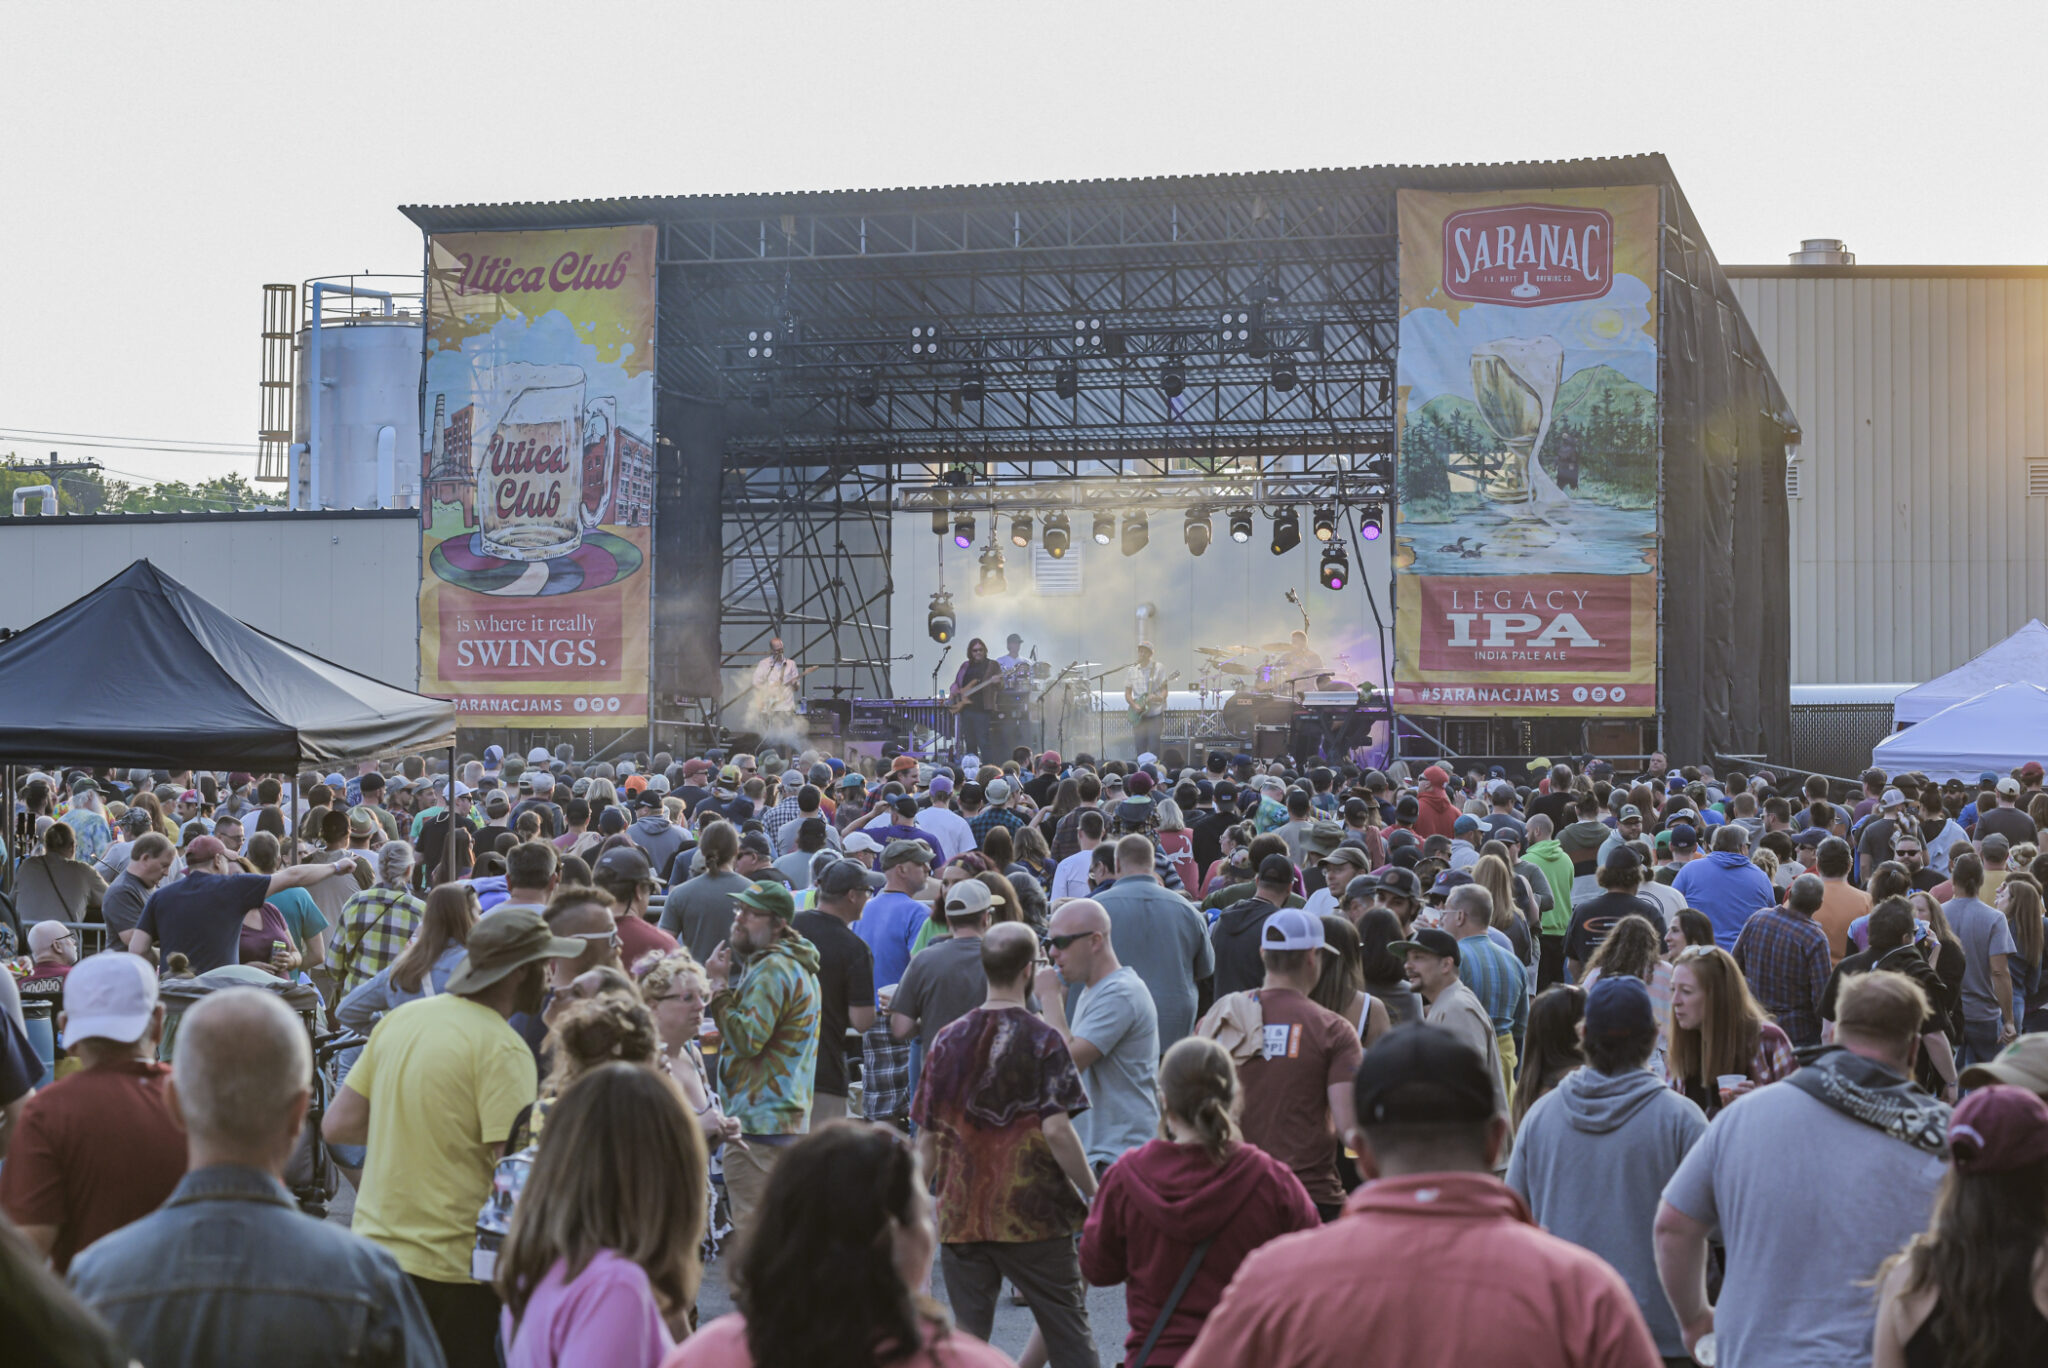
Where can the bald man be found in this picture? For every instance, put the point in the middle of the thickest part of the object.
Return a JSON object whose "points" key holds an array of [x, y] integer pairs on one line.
{"points": [[277, 1286], [1114, 1037]]}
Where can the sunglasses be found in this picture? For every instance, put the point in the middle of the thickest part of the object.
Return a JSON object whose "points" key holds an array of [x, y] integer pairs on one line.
{"points": [[606, 937], [1062, 942]]}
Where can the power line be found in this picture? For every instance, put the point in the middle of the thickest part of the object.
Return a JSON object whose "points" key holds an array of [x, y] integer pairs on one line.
{"points": [[11, 436], [139, 443]]}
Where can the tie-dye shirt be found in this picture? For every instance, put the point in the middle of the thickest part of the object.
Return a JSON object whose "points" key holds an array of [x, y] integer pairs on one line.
{"points": [[988, 1083], [768, 1039]]}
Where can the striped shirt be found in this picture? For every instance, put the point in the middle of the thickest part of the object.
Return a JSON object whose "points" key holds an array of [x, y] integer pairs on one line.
{"points": [[1498, 980], [376, 925]]}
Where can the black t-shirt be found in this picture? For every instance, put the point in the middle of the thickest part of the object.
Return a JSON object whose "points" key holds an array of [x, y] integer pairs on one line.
{"points": [[1494, 823], [1206, 837], [1595, 917], [1042, 788], [1560, 807], [2009, 822], [846, 975], [200, 917], [974, 672]]}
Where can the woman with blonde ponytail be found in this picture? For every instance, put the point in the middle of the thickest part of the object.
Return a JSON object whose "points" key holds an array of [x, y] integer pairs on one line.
{"points": [[1198, 1195]]}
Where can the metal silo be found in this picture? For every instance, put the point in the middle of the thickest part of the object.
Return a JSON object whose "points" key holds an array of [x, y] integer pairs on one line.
{"points": [[357, 437]]}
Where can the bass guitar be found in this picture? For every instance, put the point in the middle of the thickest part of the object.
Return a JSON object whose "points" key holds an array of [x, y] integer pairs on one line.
{"points": [[960, 701], [1154, 699]]}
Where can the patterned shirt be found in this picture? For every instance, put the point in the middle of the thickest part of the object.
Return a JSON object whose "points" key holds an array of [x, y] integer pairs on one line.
{"points": [[768, 1039], [988, 1083], [376, 925], [989, 818], [94, 835], [775, 818], [1786, 959], [1498, 980]]}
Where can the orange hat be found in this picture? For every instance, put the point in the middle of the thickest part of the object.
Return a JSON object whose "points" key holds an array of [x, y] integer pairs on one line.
{"points": [[903, 762], [635, 783]]}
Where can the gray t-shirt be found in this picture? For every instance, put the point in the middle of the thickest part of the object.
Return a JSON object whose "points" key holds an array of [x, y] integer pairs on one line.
{"points": [[1984, 932], [122, 907], [698, 911], [943, 983], [1161, 936], [1802, 1247], [1116, 1016]]}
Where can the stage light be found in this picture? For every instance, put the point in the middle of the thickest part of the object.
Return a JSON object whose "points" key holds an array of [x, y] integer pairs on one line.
{"points": [[1371, 522], [973, 384], [1020, 529], [1172, 379], [1105, 529], [1136, 533], [993, 580], [866, 390], [1336, 572], [1195, 531], [1058, 535], [1066, 381], [924, 341], [1325, 523], [1240, 524], [963, 530], [760, 395], [1285, 377], [1244, 330], [938, 623], [940, 522], [1286, 531]]}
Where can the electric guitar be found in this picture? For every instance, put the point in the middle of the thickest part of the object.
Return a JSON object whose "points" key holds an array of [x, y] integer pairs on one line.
{"points": [[773, 692], [1152, 700], [960, 701]]}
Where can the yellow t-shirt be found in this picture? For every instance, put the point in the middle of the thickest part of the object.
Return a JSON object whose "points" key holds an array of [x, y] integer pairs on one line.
{"points": [[445, 1078]]}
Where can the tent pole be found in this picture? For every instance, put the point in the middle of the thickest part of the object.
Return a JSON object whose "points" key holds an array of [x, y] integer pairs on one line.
{"points": [[13, 837], [448, 850]]}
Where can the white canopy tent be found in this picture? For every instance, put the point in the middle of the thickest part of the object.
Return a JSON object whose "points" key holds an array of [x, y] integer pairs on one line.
{"points": [[2021, 657], [1995, 732]]}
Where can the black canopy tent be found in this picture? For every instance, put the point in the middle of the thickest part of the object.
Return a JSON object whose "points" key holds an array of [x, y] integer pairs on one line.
{"points": [[144, 672]]}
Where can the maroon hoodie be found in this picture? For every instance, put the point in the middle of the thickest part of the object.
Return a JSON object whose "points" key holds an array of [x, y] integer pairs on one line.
{"points": [[1157, 1203], [1439, 814]]}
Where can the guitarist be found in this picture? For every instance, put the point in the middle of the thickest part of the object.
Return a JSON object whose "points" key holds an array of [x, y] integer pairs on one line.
{"points": [[1145, 696], [975, 708], [775, 681]]}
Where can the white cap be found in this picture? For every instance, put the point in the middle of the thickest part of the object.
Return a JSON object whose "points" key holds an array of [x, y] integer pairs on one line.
{"points": [[1146, 757], [970, 765], [1291, 928], [462, 790], [2009, 787], [539, 755], [45, 934], [108, 996], [859, 843]]}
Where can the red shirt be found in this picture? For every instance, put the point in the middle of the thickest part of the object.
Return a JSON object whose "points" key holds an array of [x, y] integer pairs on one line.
{"points": [[1308, 1049], [637, 936], [1433, 1268], [95, 1151]]}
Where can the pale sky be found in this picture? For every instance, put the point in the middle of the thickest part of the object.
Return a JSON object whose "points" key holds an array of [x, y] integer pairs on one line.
{"points": [[163, 162]]}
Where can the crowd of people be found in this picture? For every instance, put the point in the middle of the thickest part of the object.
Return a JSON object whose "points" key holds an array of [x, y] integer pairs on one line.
{"points": [[1565, 1065]]}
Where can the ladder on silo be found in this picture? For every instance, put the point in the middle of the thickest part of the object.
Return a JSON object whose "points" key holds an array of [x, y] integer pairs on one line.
{"points": [[274, 430]]}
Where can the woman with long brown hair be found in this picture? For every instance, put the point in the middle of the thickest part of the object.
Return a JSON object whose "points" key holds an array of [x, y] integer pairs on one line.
{"points": [[1493, 874], [2019, 897], [1971, 1291], [423, 967], [1719, 1032], [600, 1264], [1551, 1048], [1198, 1182], [1340, 987]]}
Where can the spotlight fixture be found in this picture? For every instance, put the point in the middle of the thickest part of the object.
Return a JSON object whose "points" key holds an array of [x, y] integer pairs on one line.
{"points": [[866, 390], [1058, 535], [1105, 529], [1020, 529], [1286, 531], [1172, 379], [940, 522], [1196, 531], [1136, 533], [993, 580], [963, 530], [924, 341], [1240, 524], [1371, 523], [1336, 568], [938, 623], [1325, 523], [761, 344], [1285, 377], [1066, 381], [1243, 330], [973, 384]]}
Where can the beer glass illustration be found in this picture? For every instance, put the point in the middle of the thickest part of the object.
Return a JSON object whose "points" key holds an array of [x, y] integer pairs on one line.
{"points": [[530, 482], [1515, 382]]}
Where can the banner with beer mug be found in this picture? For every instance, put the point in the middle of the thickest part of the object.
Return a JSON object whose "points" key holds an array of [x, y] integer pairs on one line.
{"points": [[538, 478], [1526, 536]]}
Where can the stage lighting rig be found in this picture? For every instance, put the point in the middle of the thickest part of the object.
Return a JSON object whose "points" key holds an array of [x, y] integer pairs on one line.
{"points": [[1371, 523], [1136, 533], [1243, 331], [993, 580], [1336, 568], [1196, 531], [1172, 379], [1105, 529], [973, 384], [1286, 530], [1066, 381], [938, 623], [761, 344], [866, 389], [1020, 529], [940, 522], [1240, 524], [963, 530], [924, 342], [1325, 523], [1285, 376], [1058, 535]]}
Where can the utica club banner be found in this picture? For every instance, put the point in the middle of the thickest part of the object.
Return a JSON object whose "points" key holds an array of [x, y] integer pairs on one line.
{"points": [[538, 481], [1526, 537]]}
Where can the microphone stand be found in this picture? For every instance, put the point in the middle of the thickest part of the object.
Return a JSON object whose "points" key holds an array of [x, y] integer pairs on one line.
{"points": [[936, 670], [1102, 713]]}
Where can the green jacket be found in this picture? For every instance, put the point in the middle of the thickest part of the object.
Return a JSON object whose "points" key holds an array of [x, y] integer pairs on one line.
{"points": [[768, 1046], [1549, 857]]}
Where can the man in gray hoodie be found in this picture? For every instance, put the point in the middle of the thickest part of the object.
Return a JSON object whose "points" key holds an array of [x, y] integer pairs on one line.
{"points": [[1593, 1154]]}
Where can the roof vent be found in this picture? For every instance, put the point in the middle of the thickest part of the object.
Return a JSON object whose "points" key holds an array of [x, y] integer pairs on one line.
{"points": [[1823, 252]]}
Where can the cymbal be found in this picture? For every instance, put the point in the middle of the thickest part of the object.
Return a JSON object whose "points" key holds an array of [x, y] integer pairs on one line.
{"points": [[1273, 646], [1224, 650], [1232, 667]]}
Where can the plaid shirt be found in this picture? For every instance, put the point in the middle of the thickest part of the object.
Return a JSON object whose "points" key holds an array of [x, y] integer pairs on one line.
{"points": [[376, 925], [884, 1072], [989, 818], [1786, 959], [774, 818], [1498, 980]]}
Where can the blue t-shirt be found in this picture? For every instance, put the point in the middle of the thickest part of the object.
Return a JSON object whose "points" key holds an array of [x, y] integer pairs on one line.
{"points": [[889, 924], [200, 917]]}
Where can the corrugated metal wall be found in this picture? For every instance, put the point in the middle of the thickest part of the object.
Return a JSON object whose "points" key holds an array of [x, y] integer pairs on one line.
{"points": [[343, 586], [1923, 395]]}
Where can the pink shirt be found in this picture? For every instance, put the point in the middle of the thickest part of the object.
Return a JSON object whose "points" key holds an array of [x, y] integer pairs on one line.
{"points": [[606, 1317], [723, 1344]]}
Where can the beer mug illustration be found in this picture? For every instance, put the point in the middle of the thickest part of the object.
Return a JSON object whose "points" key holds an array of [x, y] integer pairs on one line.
{"points": [[546, 447], [1515, 382]]}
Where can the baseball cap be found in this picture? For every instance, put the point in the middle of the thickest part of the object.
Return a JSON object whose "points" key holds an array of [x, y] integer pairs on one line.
{"points": [[2009, 787], [1683, 838], [853, 781], [859, 843], [1987, 779], [998, 791], [1448, 880], [1619, 1006], [970, 898], [1291, 928], [624, 864], [970, 765], [695, 766], [205, 850], [1276, 871], [493, 755], [1630, 811], [905, 850], [729, 775], [1466, 822], [901, 763], [841, 877], [1139, 783], [108, 996], [657, 784], [758, 843], [1421, 1074], [1997, 1130], [2031, 770], [1500, 788], [768, 898], [1408, 808], [1346, 852], [1892, 799], [539, 755], [1430, 941], [1621, 859], [1402, 883], [189, 796], [2024, 1064], [45, 934], [505, 939], [1995, 846], [941, 784]]}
